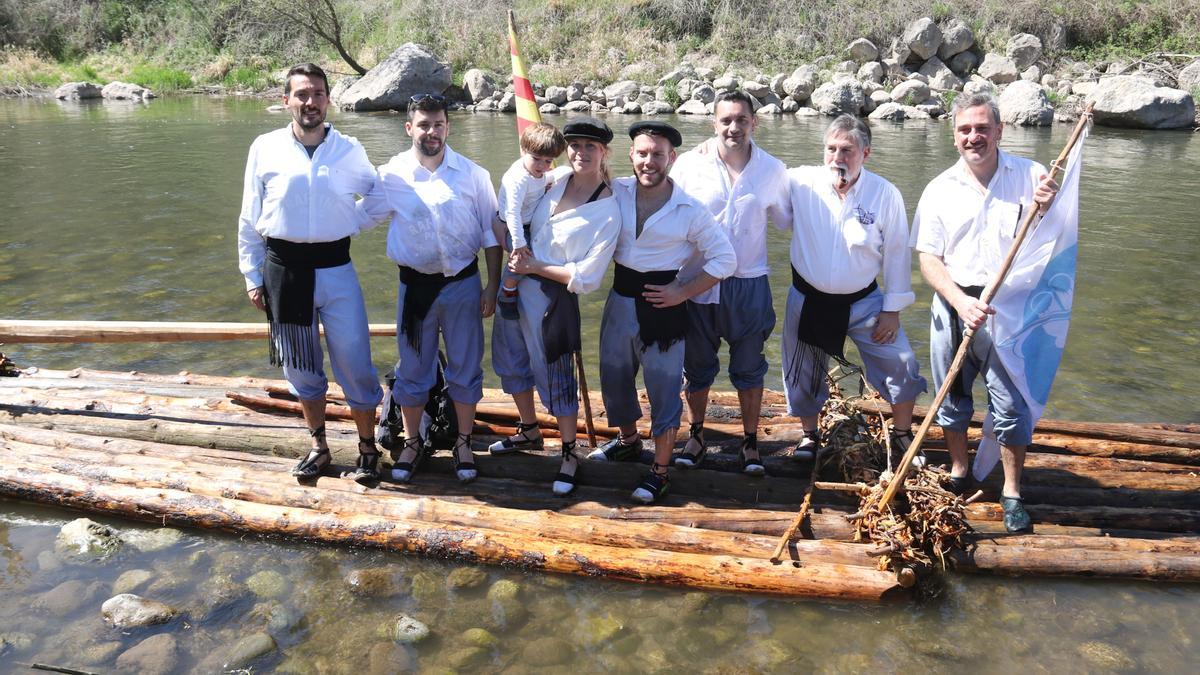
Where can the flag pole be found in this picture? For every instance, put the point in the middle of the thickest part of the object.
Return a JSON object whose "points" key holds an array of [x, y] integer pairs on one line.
{"points": [[969, 334]]}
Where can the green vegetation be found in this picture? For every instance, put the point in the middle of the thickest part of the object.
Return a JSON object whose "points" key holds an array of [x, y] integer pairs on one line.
{"points": [[563, 40], [948, 99], [671, 95]]}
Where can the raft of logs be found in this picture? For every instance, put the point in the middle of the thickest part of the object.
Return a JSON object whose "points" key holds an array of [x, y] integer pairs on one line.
{"points": [[1108, 500]]}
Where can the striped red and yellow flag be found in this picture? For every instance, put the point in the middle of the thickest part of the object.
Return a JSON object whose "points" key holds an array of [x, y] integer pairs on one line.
{"points": [[527, 110]]}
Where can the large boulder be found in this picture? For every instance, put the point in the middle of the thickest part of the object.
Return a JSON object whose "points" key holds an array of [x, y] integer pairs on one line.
{"points": [[339, 88], [575, 91], [726, 83], [1133, 101], [556, 95], [83, 539], [910, 92], [862, 50], [842, 96], [963, 63], [890, 110], [1189, 77], [802, 82], [479, 84], [940, 76], [871, 72], [999, 69], [684, 71], [1024, 49], [692, 107], [758, 90], [1024, 104], [922, 37], [78, 91], [577, 106], [408, 71], [623, 88], [956, 39], [704, 93], [125, 91]]}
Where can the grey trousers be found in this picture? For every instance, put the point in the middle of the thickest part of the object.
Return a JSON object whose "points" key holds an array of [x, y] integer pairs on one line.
{"points": [[622, 355]]}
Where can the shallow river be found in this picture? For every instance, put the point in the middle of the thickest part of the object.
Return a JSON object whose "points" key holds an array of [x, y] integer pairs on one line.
{"points": [[128, 212]]}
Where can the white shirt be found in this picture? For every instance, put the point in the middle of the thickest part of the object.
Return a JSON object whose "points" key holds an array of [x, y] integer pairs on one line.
{"points": [[740, 207], [841, 245], [581, 239], [440, 219], [520, 193], [671, 235], [969, 228], [286, 195]]}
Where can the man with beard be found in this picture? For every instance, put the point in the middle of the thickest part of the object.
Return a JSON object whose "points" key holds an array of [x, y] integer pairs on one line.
{"points": [[298, 214], [965, 224], [644, 317], [441, 206], [849, 227], [740, 185]]}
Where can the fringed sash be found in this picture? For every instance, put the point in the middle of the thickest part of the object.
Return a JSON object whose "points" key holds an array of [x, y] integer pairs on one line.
{"points": [[420, 291], [289, 281], [561, 338], [661, 326], [824, 322]]}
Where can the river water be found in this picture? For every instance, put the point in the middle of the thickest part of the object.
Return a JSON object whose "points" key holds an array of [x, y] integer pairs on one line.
{"points": [[128, 212]]}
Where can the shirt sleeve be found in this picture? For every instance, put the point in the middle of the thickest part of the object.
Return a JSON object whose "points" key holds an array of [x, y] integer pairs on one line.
{"points": [[897, 257], [588, 273], [485, 207], [779, 209], [373, 208], [252, 247], [514, 197], [720, 260]]}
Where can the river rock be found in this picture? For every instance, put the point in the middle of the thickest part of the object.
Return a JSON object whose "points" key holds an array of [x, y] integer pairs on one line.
{"points": [[599, 630], [940, 76], [770, 109], [1189, 77], [704, 93], [630, 108], [556, 95], [479, 637], [922, 37], [131, 580], [479, 84], [387, 658], [278, 618], [575, 91], [657, 108], [835, 98], [802, 82], [149, 541], [979, 86], [125, 91], [1084, 88], [1032, 74], [16, 642], [705, 73], [963, 63], [1025, 104], [910, 92], [805, 111], [97, 653], [692, 107], [999, 69], [789, 106], [1024, 49], [130, 611], [156, 655], [67, 597], [82, 540], [684, 71], [545, 652], [407, 630], [1133, 101], [777, 88], [577, 106], [621, 88], [48, 561], [408, 71], [219, 595], [239, 655], [862, 50], [267, 584], [466, 577], [758, 90], [725, 83], [340, 87], [1108, 658], [78, 91], [956, 39], [507, 609], [467, 659]]}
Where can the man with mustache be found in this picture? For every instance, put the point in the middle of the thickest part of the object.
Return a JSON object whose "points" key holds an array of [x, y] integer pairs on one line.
{"points": [[298, 214], [644, 317], [740, 185], [964, 226], [441, 206], [849, 227]]}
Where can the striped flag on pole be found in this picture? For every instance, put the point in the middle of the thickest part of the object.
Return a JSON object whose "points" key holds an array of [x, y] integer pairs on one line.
{"points": [[527, 110]]}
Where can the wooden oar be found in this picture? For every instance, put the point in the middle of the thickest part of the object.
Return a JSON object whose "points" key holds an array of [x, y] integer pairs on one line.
{"points": [[969, 334], [29, 331]]}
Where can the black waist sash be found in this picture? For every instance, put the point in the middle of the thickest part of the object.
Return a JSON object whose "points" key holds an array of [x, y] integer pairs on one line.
{"points": [[824, 322], [420, 290], [661, 326], [959, 388], [561, 338], [289, 281]]}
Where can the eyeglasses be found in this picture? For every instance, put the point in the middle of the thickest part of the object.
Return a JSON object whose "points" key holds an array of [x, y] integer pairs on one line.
{"points": [[421, 98]]}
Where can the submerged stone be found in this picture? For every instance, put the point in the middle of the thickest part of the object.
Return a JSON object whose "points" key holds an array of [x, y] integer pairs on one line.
{"points": [[82, 540], [156, 655], [387, 658], [547, 651], [267, 584], [217, 596], [1107, 657], [67, 597], [599, 630], [377, 582], [466, 577], [130, 611], [479, 637], [15, 642], [47, 561], [278, 618], [98, 653], [131, 580], [408, 630], [242, 653], [467, 658], [428, 589], [149, 541]]}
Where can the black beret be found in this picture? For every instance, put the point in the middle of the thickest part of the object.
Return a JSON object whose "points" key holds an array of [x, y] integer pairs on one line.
{"points": [[588, 127], [658, 129]]}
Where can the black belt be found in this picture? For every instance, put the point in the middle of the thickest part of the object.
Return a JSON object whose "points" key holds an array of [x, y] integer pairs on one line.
{"points": [[420, 291], [661, 326], [289, 281], [959, 388], [824, 322]]}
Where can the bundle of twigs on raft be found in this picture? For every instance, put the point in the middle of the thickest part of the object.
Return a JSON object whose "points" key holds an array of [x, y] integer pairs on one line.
{"points": [[917, 530], [7, 367]]}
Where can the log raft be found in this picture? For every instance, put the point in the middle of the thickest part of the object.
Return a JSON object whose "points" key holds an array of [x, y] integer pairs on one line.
{"points": [[1110, 500]]}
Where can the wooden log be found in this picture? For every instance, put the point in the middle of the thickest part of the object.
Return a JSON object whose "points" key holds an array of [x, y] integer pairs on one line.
{"points": [[718, 573], [36, 331], [1076, 561]]}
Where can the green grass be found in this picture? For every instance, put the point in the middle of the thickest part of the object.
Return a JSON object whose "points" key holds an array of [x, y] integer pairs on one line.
{"points": [[243, 77], [671, 94], [160, 78]]}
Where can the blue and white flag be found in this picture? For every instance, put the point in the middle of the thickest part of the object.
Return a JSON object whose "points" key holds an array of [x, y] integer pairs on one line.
{"points": [[1033, 306]]}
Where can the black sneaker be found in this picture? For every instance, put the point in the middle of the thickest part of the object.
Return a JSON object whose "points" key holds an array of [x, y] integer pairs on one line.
{"points": [[1016, 518], [652, 488], [958, 485], [617, 450]]}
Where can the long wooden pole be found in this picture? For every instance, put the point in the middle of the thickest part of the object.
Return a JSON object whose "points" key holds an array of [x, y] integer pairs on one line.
{"points": [[36, 331], [969, 334], [777, 556], [587, 400]]}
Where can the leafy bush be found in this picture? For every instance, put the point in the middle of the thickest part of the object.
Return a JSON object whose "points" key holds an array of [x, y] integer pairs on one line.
{"points": [[160, 78], [244, 77]]}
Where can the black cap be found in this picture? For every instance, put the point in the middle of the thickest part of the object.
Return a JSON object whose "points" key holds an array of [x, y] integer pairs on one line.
{"points": [[658, 129], [588, 127]]}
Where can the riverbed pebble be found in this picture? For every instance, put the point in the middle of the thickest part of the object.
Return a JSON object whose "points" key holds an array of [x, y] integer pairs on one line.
{"points": [[156, 655], [544, 652], [466, 577], [1107, 657], [267, 584], [377, 582], [479, 637], [152, 540], [130, 611], [131, 580], [241, 654], [84, 540], [67, 597], [407, 630]]}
